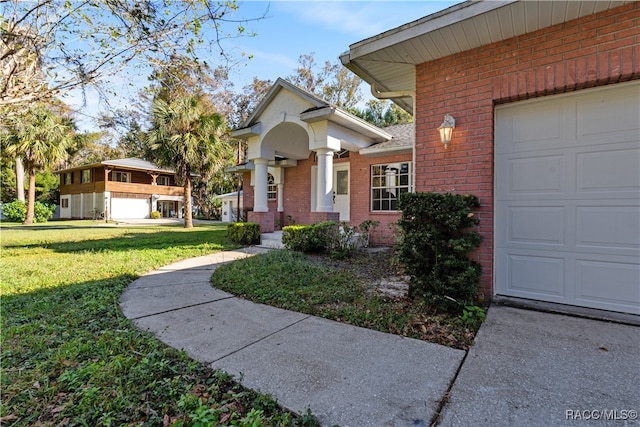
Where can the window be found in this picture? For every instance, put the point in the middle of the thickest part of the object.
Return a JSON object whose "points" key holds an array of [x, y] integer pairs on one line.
{"points": [[387, 183], [68, 178], [272, 189], [163, 180], [342, 182], [122, 176], [64, 203], [86, 176]]}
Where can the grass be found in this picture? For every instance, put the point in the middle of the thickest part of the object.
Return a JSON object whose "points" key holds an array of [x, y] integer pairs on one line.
{"points": [[342, 291], [69, 357]]}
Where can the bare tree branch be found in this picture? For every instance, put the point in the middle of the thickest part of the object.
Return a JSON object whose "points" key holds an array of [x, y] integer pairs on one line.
{"points": [[49, 47]]}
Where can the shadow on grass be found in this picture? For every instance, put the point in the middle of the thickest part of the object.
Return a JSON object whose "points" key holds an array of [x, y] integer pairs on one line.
{"points": [[175, 237]]}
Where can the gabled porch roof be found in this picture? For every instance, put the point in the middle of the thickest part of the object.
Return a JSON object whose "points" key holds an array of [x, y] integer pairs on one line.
{"points": [[320, 110]]}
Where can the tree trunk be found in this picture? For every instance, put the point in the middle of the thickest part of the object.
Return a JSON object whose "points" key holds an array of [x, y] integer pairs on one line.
{"points": [[19, 179], [31, 197], [188, 217]]}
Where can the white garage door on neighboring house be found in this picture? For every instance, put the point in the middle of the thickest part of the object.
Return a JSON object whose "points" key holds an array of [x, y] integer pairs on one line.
{"points": [[123, 208], [567, 199]]}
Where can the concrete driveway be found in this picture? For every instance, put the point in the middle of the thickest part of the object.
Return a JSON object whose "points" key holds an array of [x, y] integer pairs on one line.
{"points": [[529, 368]]}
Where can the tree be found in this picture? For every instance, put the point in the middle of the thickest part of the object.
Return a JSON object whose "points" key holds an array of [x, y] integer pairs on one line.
{"points": [[40, 136], [245, 102], [90, 147], [333, 82], [342, 88], [49, 47], [186, 135], [383, 113]]}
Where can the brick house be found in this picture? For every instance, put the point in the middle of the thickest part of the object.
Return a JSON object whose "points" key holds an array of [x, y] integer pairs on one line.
{"points": [[119, 189], [546, 102], [308, 161]]}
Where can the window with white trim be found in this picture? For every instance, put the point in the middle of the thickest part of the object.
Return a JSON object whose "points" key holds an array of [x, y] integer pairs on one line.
{"points": [[272, 188], [163, 180], [121, 176], [388, 181]]}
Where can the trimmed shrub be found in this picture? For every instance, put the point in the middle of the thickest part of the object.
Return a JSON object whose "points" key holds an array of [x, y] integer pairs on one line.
{"points": [[16, 211], [295, 237], [436, 243], [244, 233], [42, 212], [309, 238], [155, 215]]}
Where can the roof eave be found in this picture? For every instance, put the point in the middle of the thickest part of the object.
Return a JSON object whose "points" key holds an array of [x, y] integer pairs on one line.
{"points": [[347, 120], [388, 60], [246, 132], [387, 151]]}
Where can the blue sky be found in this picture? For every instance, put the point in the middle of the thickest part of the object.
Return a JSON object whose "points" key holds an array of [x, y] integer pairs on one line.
{"points": [[291, 29], [294, 28]]}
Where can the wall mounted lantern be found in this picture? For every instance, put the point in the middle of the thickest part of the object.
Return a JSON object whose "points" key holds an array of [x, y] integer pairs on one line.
{"points": [[446, 129]]}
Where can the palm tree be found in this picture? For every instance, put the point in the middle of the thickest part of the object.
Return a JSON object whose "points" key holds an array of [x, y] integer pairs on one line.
{"points": [[40, 137], [186, 135]]}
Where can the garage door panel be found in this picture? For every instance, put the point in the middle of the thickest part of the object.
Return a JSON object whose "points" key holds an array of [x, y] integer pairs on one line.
{"points": [[608, 227], [608, 170], [540, 174], [610, 285], [537, 225], [547, 128], [534, 276], [609, 116], [567, 210]]}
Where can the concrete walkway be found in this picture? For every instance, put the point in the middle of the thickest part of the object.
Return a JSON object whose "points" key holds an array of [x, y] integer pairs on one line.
{"points": [[346, 375], [527, 368]]}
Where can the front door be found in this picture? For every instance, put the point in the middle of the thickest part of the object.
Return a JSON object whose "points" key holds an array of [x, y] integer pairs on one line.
{"points": [[341, 189]]}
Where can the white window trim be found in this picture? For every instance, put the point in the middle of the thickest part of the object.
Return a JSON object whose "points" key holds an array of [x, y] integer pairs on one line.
{"points": [[272, 188], [387, 187]]}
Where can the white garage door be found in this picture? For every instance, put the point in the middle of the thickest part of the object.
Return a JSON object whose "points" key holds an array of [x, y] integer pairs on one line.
{"points": [[122, 208], [567, 208]]}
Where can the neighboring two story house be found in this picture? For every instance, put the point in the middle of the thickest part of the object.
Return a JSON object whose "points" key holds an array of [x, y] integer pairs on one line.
{"points": [[119, 189]]}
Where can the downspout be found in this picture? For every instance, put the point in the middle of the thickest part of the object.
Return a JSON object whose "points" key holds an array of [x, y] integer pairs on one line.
{"points": [[402, 94]]}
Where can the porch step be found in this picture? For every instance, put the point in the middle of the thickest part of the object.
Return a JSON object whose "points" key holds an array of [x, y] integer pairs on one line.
{"points": [[271, 240]]}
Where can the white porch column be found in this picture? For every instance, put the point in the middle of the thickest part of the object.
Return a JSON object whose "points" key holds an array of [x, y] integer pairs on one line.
{"points": [[260, 186], [280, 187], [325, 180]]}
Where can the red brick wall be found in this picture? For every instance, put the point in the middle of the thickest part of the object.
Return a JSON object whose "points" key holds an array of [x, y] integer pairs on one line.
{"points": [[297, 187], [360, 169], [592, 51]]}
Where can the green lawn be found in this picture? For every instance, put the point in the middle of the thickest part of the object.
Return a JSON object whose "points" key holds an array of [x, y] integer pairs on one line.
{"points": [[342, 290], [69, 357]]}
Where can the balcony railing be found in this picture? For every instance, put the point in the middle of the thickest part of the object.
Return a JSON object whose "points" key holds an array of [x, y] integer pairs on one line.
{"points": [[128, 187]]}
